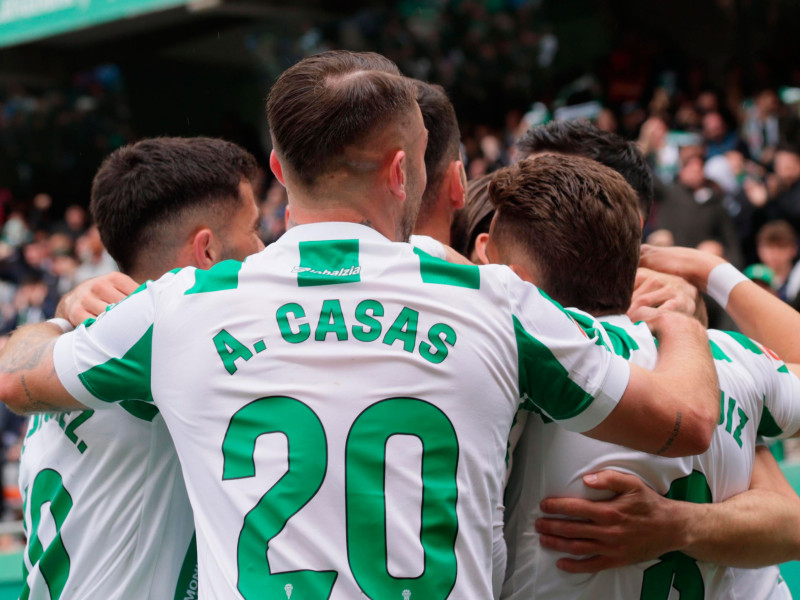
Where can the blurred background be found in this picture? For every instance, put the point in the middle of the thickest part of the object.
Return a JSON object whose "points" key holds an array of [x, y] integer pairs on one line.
{"points": [[710, 89]]}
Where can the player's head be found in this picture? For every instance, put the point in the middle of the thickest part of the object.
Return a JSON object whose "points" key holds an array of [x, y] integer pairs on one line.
{"points": [[347, 132], [583, 139], [444, 191], [167, 202], [570, 225]]}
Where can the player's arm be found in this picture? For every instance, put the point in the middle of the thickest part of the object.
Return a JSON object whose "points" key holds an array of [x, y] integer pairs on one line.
{"points": [[758, 314], [671, 411], [28, 379], [639, 524]]}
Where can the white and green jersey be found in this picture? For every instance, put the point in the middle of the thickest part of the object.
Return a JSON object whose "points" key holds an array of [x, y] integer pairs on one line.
{"points": [[758, 395], [105, 507], [341, 407]]}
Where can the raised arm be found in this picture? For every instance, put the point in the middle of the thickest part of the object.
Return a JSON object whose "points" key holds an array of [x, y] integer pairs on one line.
{"points": [[673, 410], [758, 314]]}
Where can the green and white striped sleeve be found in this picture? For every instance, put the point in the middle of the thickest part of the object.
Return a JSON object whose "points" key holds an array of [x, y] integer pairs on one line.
{"points": [[779, 387], [562, 372], [109, 360]]}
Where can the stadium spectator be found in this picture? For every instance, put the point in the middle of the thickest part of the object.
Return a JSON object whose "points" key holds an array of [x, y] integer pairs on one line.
{"points": [[776, 243], [692, 209], [717, 137]]}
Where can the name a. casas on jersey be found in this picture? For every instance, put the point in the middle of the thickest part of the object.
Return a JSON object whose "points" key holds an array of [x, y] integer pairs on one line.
{"points": [[365, 321], [344, 272]]}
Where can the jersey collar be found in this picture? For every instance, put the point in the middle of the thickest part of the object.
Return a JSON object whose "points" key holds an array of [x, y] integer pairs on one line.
{"points": [[332, 231]]}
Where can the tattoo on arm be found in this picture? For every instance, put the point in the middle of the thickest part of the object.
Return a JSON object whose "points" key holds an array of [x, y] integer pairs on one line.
{"points": [[27, 356], [36, 405], [674, 434]]}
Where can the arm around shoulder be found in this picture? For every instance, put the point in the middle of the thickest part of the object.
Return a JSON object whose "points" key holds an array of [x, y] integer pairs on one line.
{"points": [[28, 380], [673, 410]]}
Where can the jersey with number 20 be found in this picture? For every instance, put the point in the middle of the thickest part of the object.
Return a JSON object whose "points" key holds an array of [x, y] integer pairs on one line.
{"points": [[341, 407]]}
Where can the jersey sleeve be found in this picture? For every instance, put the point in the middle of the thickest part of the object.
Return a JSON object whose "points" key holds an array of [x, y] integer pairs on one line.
{"points": [[563, 372], [109, 360], [779, 387]]}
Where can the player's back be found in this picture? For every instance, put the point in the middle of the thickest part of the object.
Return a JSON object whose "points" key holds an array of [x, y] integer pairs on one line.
{"points": [[550, 462], [341, 407], [105, 506], [358, 374]]}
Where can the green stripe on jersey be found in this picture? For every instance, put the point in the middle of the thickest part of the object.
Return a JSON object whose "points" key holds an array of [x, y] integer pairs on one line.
{"points": [[328, 262], [187, 579], [436, 270], [744, 341], [717, 352], [622, 341], [767, 426], [783, 369], [545, 381], [140, 410], [123, 378], [222, 276], [586, 323]]}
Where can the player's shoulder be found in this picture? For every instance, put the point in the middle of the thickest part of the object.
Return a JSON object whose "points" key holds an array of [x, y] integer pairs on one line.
{"points": [[736, 348]]}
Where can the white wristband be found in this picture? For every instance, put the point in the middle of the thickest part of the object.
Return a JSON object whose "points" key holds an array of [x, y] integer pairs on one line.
{"points": [[65, 325], [721, 281]]}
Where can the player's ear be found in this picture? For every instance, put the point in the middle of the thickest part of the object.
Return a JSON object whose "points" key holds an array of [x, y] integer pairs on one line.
{"points": [[206, 248], [479, 251], [397, 175], [275, 167], [457, 184]]}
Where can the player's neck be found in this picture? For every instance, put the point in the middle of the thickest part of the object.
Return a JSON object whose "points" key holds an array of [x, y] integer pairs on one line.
{"points": [[300, 215], [436, 225]]}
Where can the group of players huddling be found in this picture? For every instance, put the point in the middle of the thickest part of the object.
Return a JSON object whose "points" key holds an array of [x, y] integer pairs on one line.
{"points": [[347, 415]]}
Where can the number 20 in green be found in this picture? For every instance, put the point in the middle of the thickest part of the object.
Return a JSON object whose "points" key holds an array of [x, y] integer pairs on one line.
{"points": [[366, 508]]}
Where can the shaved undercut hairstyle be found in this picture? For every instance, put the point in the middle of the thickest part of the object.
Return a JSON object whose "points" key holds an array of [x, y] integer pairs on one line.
{"points": [[584, 139], [330, 101], [577, 222], [444, 139], [142, 190]]}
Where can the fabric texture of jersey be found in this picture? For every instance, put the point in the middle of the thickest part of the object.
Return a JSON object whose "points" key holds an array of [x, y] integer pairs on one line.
{"points": [[105, 506], [759, 395], [341, 407]]}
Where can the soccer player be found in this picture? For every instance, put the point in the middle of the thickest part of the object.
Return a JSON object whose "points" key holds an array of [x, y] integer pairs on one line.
{"points": [[644, 528], [119, 522], [548, 209], [340, 419], [446, 178]]}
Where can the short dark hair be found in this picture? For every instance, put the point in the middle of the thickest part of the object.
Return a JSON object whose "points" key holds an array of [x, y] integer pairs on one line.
{"points": [[146, 184], [330, 101], [444, 138], [578, 223], [609, 149]]}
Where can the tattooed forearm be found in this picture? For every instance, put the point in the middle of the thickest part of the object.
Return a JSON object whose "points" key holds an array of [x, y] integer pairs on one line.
{"points": [[35, 405], [674, 434], [26, 354]]}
